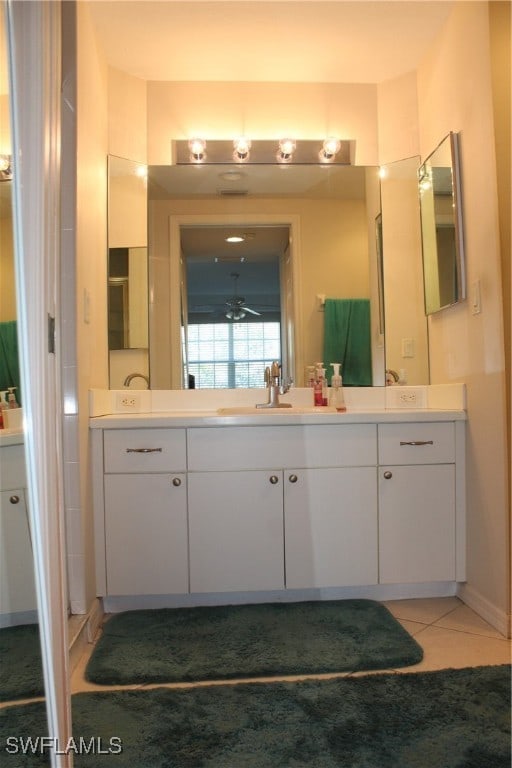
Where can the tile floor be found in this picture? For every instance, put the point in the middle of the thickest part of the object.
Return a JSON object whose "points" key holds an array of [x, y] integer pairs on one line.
{"points": [[450, 633]]}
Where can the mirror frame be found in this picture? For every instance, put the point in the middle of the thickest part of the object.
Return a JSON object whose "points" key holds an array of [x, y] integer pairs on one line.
{"points": [[430, 226]]}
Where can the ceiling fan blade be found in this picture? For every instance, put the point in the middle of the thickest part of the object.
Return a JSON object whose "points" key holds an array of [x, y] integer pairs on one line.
{"points": [[252, 311]]}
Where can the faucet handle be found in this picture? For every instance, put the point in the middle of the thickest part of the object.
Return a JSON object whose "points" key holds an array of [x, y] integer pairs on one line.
{"points": [[276, 370], [267, 376]]}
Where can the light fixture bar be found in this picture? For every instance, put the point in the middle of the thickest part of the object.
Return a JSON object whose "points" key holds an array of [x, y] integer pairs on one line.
{"points": [[221, 152]]}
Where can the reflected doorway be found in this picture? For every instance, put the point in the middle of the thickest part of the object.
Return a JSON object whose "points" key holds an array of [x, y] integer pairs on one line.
{"points": [[235, 306]]}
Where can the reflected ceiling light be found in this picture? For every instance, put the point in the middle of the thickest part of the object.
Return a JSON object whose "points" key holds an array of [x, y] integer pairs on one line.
{"points": [[241, 148], [235, 239], [330, 149], [286, 149], [5, 168], [235, 314], [197, 149], [141, 171], [383, 172]]}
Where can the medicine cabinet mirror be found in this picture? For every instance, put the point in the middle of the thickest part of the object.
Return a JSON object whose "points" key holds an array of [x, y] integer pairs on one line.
{"points": [[442, 226]]}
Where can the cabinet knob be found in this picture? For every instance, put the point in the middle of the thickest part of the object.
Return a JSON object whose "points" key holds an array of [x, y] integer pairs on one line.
{"points": [[176, 481], [274, 479], [14, 499], [293, 478], [388, 475]]}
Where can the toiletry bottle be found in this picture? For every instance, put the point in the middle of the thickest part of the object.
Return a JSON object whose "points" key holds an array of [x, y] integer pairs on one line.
{"points": [[3, 408], [325, 388], [318, 388], [11, 398], [310, 376], [337, 397]]}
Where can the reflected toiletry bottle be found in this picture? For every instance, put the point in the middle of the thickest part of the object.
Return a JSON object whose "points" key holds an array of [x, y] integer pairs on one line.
{"points": [[11, 398], [337, 397], [318, 388], [325, 388]]}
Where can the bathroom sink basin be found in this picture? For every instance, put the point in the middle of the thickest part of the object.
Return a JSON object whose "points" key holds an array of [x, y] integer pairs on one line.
{"points": [[251, 410]]}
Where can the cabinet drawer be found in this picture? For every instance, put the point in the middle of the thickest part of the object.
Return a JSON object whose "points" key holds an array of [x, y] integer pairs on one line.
{"points": [[234, 448], [145, 450], [420, 443]]}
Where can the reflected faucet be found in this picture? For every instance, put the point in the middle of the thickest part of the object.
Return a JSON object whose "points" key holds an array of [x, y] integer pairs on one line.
{"points": [[275, 387], [132, 376]]}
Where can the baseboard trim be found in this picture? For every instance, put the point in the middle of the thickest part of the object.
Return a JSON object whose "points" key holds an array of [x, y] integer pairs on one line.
{"points": [[381, 592], [82, 629], [493, 615]]}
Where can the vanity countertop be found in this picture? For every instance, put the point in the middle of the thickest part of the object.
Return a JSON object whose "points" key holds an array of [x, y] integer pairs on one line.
{"points": [[213, 418], [11, 437]]}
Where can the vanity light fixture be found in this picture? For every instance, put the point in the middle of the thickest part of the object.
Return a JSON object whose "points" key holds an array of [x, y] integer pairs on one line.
{"points": [[242, 147], [330, 149], [5, 168], [286, 149], [197, 150]]}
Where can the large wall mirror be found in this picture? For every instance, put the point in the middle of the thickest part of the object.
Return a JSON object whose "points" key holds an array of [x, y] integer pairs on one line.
{"points": [[441, 226], [304, 234]]}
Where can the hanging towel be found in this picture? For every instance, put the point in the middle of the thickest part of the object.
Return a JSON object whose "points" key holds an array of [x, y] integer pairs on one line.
{"points": [[9, 364], [347, 340]]}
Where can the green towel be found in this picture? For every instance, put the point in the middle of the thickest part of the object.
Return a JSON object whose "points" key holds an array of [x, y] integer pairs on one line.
{"points": [[9, 363], [347, 340]]}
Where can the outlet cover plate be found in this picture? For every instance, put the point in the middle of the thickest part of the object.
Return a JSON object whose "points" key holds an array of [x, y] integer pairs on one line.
{"points": [[128, 402], [407, 397]]}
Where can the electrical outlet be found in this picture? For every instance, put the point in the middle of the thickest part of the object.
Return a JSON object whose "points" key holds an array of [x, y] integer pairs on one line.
{"points": [[407, 398], [128, 401]]}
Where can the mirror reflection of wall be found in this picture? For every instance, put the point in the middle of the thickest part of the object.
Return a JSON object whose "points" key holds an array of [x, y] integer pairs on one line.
{"points": [[21, 673], [441, 227], [406, 325], [127, 273]]}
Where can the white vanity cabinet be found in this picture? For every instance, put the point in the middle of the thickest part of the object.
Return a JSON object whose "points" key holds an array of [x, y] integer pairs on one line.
{"points": [[145, 512], [417, 503], [275, 507], [17, 580], [210, 511]]}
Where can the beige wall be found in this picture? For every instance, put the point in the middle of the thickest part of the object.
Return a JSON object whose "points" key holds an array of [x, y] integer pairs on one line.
{"points": [[91, 270], [454, 93], [262, 111], [7, 285]]}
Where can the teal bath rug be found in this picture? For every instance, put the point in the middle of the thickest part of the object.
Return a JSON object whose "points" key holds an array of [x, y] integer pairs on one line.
{"points": [[21, 670], [446, 719], [240, 641]]}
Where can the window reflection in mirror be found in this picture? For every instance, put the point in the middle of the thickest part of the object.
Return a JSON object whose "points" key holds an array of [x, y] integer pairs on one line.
{"points": [[441, 226], [127, 272]]}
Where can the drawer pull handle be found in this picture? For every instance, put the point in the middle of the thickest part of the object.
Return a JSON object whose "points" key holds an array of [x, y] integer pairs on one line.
{"points": [[14, 499], [176, 481], [274, 479], [416, 442], [388, 475], [143, 450], [293, 478]]}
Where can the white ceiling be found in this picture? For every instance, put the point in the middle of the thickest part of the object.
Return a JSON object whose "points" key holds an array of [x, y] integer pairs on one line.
{"points": [[289, 41]]}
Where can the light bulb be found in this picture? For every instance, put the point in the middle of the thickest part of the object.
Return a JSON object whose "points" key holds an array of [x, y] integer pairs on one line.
{"points": [[331, 147], [197, 149], [286, 149], [242, 147]]}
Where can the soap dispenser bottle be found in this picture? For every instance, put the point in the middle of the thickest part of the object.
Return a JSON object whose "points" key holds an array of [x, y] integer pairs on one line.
{"points": [[319, 384], [11, 398], [337, 397]]}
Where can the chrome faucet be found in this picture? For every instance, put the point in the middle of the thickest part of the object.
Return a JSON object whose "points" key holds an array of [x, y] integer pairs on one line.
{"points": [[275, 387], [132, 376]]}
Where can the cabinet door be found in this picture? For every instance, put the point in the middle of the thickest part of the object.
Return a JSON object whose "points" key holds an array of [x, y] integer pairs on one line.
{"points": [[146, 534], [417, 523], [331, 527], [236, 531], [17, 583]]}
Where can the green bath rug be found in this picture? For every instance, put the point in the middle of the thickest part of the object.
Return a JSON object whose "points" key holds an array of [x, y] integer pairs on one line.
{"points": [[447, 719], [21, 667], [240, 641]]}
